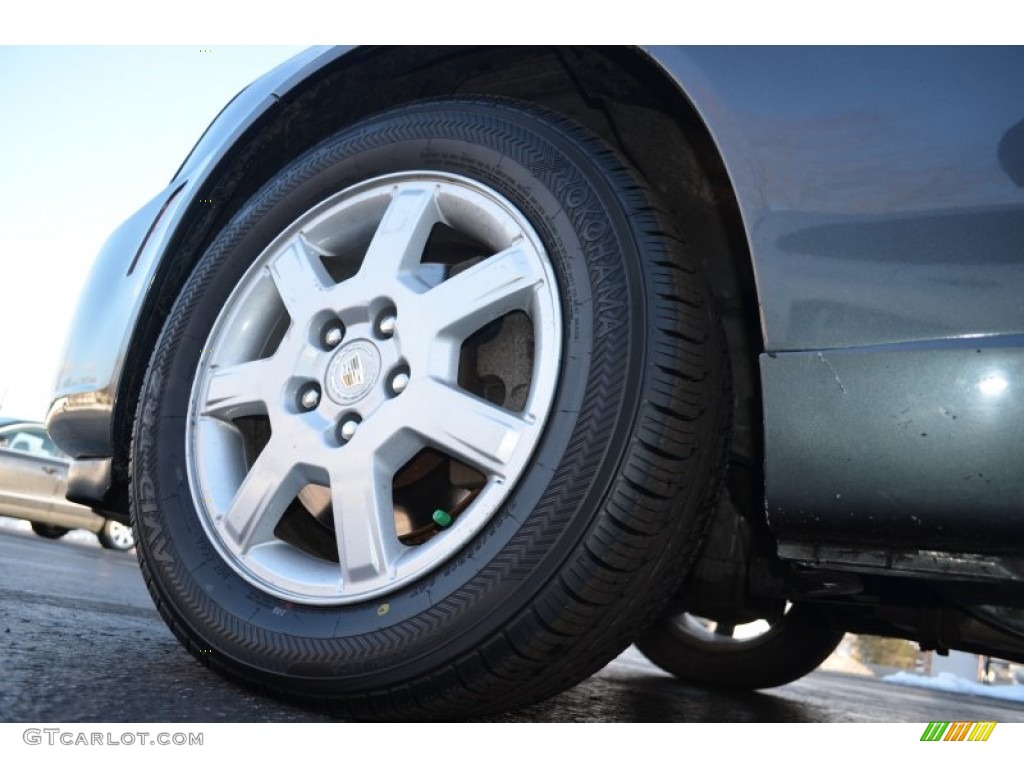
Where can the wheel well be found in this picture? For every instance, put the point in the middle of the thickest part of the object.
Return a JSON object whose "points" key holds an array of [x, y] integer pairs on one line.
{"points": [[618, 93]]}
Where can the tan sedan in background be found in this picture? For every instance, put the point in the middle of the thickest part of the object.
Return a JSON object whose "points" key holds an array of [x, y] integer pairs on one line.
{"points": [[33, 482]]}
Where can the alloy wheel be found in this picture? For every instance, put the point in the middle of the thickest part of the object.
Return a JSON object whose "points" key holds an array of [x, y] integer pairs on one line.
{"points": [[373, 388]]}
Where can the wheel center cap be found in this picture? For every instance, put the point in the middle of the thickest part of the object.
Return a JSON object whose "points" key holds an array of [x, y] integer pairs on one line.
{"points": [[352, 372]]}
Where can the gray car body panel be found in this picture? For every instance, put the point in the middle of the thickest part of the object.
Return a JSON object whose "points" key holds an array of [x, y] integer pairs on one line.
{"points": [[881, 196], [882, 189], [899, 447]]}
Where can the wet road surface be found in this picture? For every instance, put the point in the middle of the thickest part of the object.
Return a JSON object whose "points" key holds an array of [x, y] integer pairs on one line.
{"points": [[80, 641]]}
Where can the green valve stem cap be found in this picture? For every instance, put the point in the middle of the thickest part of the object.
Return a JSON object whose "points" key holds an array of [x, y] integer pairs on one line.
{"points": [[442, 518]]}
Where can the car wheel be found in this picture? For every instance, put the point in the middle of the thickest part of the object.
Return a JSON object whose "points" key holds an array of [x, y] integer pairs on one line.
{"points": [[435, 423], [49, 531], [114, 535], [762, 654]]}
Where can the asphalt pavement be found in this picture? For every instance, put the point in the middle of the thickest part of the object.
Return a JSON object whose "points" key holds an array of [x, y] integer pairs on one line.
{"points": [[80, 641]]}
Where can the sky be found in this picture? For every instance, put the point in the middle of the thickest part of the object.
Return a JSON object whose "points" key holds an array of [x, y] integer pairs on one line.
{"points": [[88, 135]]}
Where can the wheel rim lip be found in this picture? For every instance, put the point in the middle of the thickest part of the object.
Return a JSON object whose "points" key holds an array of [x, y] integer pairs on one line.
{"points": [[546, 315]]}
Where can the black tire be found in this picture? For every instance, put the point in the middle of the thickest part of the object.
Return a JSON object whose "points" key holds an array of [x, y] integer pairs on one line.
{"points": [[792, 647], [586, 545], [116, 536], [49, 531]]}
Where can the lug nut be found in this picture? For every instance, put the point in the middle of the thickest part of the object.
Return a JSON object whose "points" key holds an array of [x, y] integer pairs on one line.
{"points": [[386, 325], [332, 334], [399, 382], [333, 337], [310, 398], [348, 429]]}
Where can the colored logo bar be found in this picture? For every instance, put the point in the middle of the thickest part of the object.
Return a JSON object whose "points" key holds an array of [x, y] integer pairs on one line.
{"points": [[960, 730]]}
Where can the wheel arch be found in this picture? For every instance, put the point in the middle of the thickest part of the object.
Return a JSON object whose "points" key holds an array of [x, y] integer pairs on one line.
{"points": [[622, 94]]}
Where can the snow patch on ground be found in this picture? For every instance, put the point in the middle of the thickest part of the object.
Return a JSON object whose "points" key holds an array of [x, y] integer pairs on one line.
{"points": [[947, 681], [76, 536]]}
